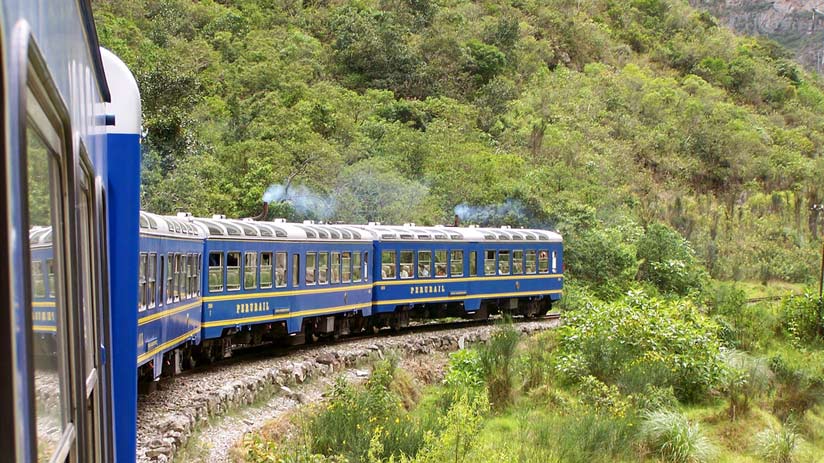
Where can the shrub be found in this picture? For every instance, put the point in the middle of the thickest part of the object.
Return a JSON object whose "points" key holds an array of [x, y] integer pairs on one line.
{"points": [[356, 416], [601, 259], [673, 438], [667, 260], [535, 362], [465, 371], [496, 360], [459, 429], [747, 379], [801, 318], [743, 326], [777, 445], [641, 340]]}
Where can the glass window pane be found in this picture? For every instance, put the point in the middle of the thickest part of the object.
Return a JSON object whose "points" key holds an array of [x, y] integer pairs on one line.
{"points": [[440, 264], [232, 271], [356, 266], [473, 263], [456, 263], [503, 262], [170, 277], [388, 265], [346, 263], [323, 268], [266, 270], [530, 261], [48, 343], [554, 261], [215, 272], [38, 280], [250, 271], [310, 268], [280, 271], [295, 270], [407, 264], [543, 261], [517, 262], [489, 262], [424, 264], [141, 282], [335, 267]]}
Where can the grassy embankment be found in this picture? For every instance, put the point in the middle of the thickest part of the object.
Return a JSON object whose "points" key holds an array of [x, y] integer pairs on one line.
{"points": [[642, 378]]}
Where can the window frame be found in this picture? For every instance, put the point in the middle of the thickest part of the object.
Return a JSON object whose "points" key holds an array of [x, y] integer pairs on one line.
{"points": [[441, 265], [411, 263], [285, 269], [493, 261], [323, 275], [239, 270], [452, 260], [268, 284], [245, 266], [393, 264]]}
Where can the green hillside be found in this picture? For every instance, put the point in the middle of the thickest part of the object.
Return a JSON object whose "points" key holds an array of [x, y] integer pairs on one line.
{"points": [[595, 117]]}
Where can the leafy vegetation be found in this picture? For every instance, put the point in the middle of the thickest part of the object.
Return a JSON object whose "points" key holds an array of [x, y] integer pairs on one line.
{"points": [[600, 119]]}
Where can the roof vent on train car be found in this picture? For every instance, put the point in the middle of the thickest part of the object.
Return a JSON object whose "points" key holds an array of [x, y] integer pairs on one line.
{"points": [[247, 219], [308, 222], [472, 225], [279, 220], [184, 214], [409, 224], [219, 216], [506, 227], [374, 224]]}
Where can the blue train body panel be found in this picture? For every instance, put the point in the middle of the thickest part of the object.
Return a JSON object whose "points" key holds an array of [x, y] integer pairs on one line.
{"points": [[289, 303], [169, 313]]}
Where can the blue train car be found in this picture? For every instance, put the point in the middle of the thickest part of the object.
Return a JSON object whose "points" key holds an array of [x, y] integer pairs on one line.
{"points": [[169, 293], [437, 271], [69, 116], [277, 279]]}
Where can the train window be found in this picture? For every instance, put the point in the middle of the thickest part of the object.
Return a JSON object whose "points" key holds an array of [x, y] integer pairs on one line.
{"points": [[141, 282], [151, 275], [192, 275], [388, 265], [489, 262], [530, 261], [424, 264], [170, 275], [503, 262], [265, 270], [50, 269], [198, 271], [456, 263], [311, 258], [323, 268], [473, 263], [407, 264], [554, 261], [356, 266], [232, 271], [295, 270], [543, 261], [38, 283], [52, 373], [280, 269], [179, 275], [517, 262], [250, 271], [215, 272], [335, 267], [366, 266], [440, 264], [346, 262], [162, 280]]}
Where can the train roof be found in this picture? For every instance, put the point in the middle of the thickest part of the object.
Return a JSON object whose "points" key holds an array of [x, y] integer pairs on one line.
{"points": [[185, 225], [411, 232]]}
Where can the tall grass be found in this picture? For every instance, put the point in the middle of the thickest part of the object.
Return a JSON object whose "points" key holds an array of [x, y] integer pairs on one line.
{"points": [[497, 358], [777, 445], [674, 439]]}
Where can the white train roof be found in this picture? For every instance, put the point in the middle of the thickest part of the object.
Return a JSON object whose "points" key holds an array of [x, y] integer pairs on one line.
{"points": [[185, 225], [411, 232]]}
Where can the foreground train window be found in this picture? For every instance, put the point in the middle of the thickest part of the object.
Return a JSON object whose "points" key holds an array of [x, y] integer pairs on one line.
{"points": [[456, 263], [388, 265], [250, 271], [356, 266], [407, 264], [530, 261], [503, 262], [424, 264], [232, 271], [51, 377], [440, 264], [266, 270]]}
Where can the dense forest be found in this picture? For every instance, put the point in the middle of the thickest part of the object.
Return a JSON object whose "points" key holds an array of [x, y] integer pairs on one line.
{"points": [[594, 117]]}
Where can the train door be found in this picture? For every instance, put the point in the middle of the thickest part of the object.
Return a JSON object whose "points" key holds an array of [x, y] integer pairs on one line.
{"points": [[55, 387]]}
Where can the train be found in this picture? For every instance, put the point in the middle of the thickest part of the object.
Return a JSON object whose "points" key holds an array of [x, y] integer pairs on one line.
{"points": [[97, 296], [209, 285]]}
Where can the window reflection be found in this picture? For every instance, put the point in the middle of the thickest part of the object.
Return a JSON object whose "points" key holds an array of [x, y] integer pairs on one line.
{"points": [[47, 304]]}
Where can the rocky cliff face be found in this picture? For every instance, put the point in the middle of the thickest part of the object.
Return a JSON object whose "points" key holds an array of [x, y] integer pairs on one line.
{"points": [[796, 24]]}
